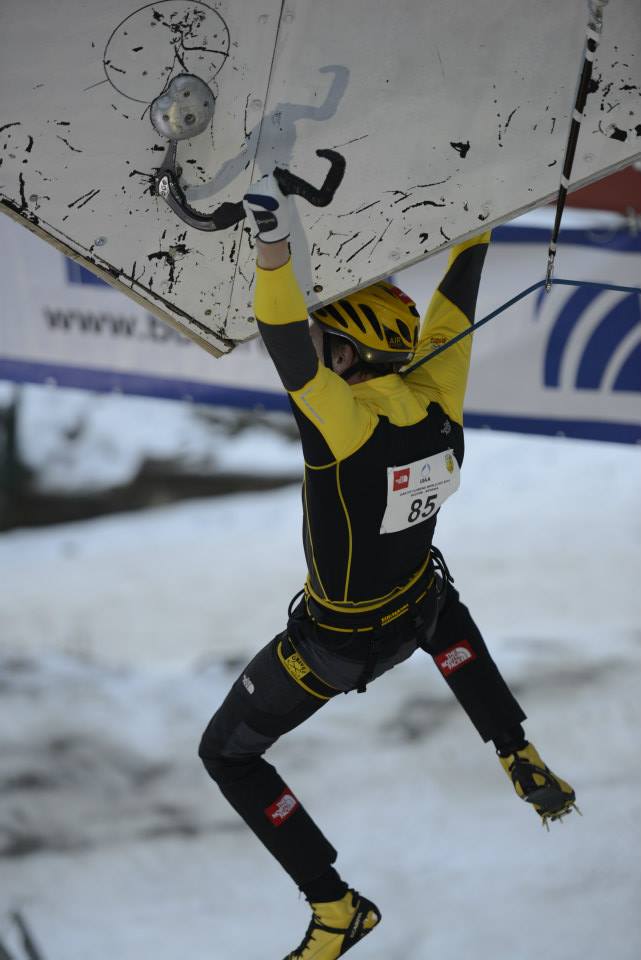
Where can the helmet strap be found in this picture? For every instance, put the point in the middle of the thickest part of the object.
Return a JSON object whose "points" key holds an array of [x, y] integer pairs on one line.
{"points": [[327, 350], [355, 368]]}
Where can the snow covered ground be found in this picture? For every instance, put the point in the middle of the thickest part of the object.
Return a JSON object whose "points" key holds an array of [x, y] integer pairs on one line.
{"points": [[120, 636]]}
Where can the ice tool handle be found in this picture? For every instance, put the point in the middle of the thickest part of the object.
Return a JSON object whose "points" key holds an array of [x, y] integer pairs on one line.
{"points": [[228, 214]]}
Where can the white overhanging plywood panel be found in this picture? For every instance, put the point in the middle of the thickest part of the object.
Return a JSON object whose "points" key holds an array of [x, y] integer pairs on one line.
{"points": [[450, 117], [77, 83]]}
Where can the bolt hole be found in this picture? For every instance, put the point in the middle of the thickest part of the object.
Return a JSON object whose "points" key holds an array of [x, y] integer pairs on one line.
{"points": [[318, 288], [165, 117], [190, 118], [186, 93]]}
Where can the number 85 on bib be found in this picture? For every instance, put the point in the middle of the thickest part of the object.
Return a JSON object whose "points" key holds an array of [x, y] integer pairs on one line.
{"points": [[417, 490]]}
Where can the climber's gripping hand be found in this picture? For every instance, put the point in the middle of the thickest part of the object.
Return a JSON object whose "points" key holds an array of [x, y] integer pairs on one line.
{"points": [[269, 209]]}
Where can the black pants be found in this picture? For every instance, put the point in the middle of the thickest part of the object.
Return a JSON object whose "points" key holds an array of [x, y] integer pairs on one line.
{"points": [[300, 671]]}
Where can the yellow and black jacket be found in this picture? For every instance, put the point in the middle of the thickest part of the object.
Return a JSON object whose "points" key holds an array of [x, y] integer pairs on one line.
{"points": [[351, 434]]}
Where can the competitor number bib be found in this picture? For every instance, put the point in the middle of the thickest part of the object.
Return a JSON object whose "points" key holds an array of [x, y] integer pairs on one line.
{"points": [[416, 491]]}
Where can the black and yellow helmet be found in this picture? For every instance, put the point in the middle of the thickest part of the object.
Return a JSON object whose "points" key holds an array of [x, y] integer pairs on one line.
{"points": [[380, 321]]}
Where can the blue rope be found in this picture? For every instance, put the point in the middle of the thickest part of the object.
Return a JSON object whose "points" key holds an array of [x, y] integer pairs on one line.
{"points": [[510, 303], [602, 286]]}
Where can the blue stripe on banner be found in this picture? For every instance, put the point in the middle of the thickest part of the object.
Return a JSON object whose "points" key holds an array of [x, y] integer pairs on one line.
{"points": [[76, 273], [606, 430], [110, 381], [107, 381], [602, 239], [612, 329]]}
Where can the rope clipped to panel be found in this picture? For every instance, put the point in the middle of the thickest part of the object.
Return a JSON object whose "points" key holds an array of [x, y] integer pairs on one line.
{"points": [[593, 35]]}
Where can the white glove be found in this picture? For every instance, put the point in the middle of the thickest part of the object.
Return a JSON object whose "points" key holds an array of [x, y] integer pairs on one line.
{"points": [[269, 209]]}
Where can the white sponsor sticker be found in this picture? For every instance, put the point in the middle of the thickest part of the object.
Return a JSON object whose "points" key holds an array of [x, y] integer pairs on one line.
{"points": [[416, 490]]}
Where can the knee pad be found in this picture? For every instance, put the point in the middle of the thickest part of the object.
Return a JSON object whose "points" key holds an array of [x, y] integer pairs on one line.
{"points": [[229, 746]]}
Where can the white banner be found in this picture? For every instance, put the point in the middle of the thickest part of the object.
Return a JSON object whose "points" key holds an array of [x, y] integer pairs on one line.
{"points": [[568, 362]]}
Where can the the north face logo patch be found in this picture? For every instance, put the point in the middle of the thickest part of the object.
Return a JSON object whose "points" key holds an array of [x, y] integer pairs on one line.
{"points": [[454, 658], [282, 809], [401, 479]]}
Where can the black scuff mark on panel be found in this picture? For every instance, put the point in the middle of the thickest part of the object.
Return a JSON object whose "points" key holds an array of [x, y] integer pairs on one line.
{"points": [[65, 141], [389, 224], [114, 107], [17, 123], [347, 143], [483, 216], [461, 148], [148, 177], [618, 134], [245, 116], [422, 203], [232, 252], [169, 258], [637, 130], [29, 146], [606, 92], [63, 123], [443, 234], [628, 86], [552, 164], [109, 64], [509, 119], [180, 59], [245, 279], [400, 194], [423, 237], [553, 124], [436, 183], [92, 194], [367, 206], [23, 200], [84, 198], [345, 242], [360, 249]]}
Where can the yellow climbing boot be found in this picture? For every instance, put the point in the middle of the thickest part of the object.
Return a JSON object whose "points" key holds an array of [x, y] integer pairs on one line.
{"points": [[335, 927], [550, 796]]}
